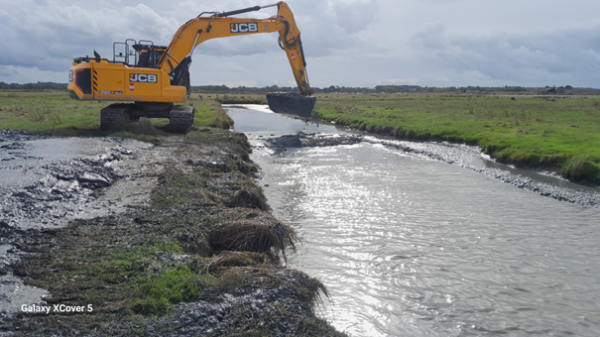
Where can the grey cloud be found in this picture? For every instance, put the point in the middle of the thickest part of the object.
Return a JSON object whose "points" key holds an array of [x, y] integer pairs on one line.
{"points": [[317, 20], [347, 42], [48, 36], [354, 17], [522, 57]]}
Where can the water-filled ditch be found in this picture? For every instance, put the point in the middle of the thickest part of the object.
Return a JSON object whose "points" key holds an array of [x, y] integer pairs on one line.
{"points": [[429, 239]]}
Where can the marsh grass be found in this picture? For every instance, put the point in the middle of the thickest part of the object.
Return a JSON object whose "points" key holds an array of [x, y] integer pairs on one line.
{"points": [[580, 169], [56, 114], [242, 99], [527, 131], [239, 259], [156, 292], [209, 113]]}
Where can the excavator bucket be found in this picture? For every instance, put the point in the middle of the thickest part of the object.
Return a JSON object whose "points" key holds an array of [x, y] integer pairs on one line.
{"points": [[291, 103]]}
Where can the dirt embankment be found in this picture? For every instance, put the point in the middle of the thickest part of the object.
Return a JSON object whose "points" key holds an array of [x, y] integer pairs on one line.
{"points": [[201, 258]]}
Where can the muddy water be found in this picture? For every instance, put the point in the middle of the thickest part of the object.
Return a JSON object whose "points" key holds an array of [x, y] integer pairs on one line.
{"points": [[410, 244]]}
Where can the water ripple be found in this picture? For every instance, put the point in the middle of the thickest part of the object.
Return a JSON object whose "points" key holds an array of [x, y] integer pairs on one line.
{"points": [[413, 247], [408, 245]]}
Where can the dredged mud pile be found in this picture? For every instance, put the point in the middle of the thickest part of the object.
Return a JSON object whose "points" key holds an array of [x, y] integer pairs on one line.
{"points": [[468, 157], [51, 181], [202, 249], [282, 143]]}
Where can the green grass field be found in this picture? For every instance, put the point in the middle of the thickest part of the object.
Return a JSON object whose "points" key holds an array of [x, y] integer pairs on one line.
{"points": [[56, 114], [550, 132], [538, 132]]}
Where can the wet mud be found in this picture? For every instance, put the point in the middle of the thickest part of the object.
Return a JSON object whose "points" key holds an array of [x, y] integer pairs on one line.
{"points": [[103, 229], [282, 143], [240, 307], [465, 156], [48, 182]]}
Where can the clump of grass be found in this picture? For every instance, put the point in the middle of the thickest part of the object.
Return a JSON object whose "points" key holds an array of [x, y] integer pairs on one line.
{"points": [[155, 292], [251, 196], [251, 231], [308, 289], [581, 169], [238, 259], [195, 241], [232, 278]]}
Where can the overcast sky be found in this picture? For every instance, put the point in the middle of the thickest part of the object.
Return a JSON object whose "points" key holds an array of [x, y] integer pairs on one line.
{"points": [[347, 42]]}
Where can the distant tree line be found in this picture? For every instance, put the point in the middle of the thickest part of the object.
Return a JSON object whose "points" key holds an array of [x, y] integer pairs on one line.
{"points": [[39, 86], [242, 89], [273, 88], [417, 88], [377, 89]]}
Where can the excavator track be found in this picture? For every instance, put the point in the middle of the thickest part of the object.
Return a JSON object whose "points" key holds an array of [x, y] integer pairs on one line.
{"points": [[181, 118], [113, 114]]}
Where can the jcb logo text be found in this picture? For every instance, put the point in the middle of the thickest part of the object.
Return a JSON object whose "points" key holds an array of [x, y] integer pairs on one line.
{"points": [[142, 78], [244, 27]]}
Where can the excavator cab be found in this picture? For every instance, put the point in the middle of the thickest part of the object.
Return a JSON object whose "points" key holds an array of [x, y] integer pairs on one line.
{"points": [[148, 55], [138, 54]]}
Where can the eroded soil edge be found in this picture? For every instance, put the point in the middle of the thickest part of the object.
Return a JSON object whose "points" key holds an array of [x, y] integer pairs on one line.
{"points": [[202, 259]]}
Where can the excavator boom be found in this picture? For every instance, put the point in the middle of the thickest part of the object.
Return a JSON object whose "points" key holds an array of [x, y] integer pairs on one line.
{"points": [[155, 77], [219, 25]]}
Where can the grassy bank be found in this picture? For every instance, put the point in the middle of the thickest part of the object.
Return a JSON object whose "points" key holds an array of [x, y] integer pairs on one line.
{"points": [[548, 132], [242, 99], [56, 114]]}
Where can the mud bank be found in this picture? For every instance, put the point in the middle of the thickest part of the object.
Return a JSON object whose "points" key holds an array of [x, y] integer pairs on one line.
{"points": [[51, 181], [465, 156], [199, 255], [282, 143]]}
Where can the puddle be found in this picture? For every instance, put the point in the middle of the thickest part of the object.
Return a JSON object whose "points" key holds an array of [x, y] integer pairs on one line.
{"points": [[13, 293]]}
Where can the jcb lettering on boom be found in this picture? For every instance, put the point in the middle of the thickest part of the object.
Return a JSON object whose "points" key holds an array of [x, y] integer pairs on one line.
{"points": [[244, 27], [142, 78]]}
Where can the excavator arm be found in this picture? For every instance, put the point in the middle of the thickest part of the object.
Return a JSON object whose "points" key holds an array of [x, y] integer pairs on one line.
{"points": [[177, 57], [155, 77]]}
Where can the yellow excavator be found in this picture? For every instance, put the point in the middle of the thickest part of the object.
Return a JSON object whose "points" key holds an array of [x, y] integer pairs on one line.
{"points": [[155, 77]]}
